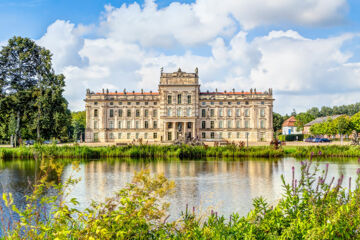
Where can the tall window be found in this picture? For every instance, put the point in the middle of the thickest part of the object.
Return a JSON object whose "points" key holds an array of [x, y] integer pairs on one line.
{"points": [[145, 135], [247, 114], [220, 112], [169, 136], [154, 113], [95, 112], [229, 112], [178, 112], [212, 135], [179, 98], [136, 124], [262, 124], [137, 135], [189, 125], [238, 124], [155, 136], [146, 124], [203, 135], [146, 113], [212, 112], [128, 124], [111, 112], [220, 135], [155, 124], [203, 124], [189, 99], [169, 99], [128, 114], [262, 112], [120, 124], [247, 124], [111, 124], [111, 135], [96, 124], [120, 112], [229, 134], [169, 112], [229, 124], [128, 135], [119, 135], [137, 113], [211, 124], [203, 113], [189, 112], [220, 124], [238, 112]]}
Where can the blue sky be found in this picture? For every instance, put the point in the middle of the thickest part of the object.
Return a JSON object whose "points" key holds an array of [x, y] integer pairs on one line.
{"points": [[308, 52]]}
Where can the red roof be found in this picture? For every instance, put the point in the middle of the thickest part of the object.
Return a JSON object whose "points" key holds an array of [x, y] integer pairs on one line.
{"points": [[233, 93], [290, 122]]}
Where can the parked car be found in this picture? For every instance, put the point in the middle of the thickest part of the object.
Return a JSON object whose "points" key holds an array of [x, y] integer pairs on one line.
{"points": [[29, 142], [325, 140], [51, 142], [309, 139]]}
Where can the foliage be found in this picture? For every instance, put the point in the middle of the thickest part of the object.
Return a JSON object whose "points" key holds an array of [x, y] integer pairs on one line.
{"points": [[78, 124], [312, 207], [302, 119], [30, 93], [278, 121]]}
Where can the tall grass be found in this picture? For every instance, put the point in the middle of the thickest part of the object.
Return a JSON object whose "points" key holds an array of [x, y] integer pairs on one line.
{"points": [[173, 151]]}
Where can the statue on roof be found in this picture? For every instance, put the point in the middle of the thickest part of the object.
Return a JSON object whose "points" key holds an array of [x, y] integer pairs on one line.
{"points": [[179, 70], [196, 71], [161, 70]]}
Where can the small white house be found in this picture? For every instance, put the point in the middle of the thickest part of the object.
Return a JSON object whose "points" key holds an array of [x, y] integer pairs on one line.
{"points": [[288, 127]]}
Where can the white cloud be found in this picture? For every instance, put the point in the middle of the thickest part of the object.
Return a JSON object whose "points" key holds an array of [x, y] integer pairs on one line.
{"points": [[122, 52]]}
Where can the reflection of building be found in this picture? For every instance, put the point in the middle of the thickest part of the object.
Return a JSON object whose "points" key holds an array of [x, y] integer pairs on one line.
{"points": [[178, 111]]}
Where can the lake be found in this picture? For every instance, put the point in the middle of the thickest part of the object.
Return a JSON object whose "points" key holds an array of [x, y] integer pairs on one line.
{"points": [[222, 186]]}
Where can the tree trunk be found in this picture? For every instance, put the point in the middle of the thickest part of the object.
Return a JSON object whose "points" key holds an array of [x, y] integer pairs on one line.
{"points": [[17, 130]]}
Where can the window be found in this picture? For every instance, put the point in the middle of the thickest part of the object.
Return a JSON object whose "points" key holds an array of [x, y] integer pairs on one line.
{"points": [[146, 113], [189, 99], [137, 113], [136, 124], [238, 103], [203, 135], [96, 137], [146, 124], [155, 124], [212, 103], [179, 98], [120, 112], [95, 113], [238, 124], [155, 135], [221, 103], [238, 135], [111, 112], [189, 125], [203, 124], [262, 112], [145, 135], [262, 124], [95, 103], [220, 135], [146, 103], [111, 135], [169, 125], [229, 112], [203, 103], [212, 135], [155, 103], [246, 103], [111, 124], [120, 103], [238, 112], [211, 124], [178, 112], [246, 123], [111, 103], [128, 135], [128, 114], [229, 103], [96, 124], [137, 135], [220, 112], [262, 102], [189, 112], [119, 135], [212, 113], [120, 124], [169, 112], [229, 134], [128, 124], [229, 124], [203, 113], [247, 113], [169, 136], [154, 113], [129, 103], [220, 124], [137, 103]]}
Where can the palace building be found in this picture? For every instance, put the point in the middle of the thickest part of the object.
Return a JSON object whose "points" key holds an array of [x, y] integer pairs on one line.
{"points": [[179, 111]]}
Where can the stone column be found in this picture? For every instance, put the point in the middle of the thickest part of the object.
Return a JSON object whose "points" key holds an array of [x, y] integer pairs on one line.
{"points": [[193, 129], [174, 131]]}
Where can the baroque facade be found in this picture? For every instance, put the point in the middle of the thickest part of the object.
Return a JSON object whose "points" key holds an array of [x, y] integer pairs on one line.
{"points": [[179, 111]]}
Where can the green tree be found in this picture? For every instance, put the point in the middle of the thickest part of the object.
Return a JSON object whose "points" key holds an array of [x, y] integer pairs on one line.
{"points": [[302, 119], [78, 123], [355, 124], [343, 125], [277, 122], [31, 91]]}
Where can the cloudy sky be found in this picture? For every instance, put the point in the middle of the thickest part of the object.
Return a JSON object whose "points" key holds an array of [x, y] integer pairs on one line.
{"points": [[308, 51]]}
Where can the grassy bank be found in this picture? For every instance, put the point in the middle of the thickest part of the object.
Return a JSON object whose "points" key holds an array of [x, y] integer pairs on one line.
{"points": [[181, 152]]}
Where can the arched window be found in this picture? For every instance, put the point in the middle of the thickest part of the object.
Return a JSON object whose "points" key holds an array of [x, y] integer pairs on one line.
{"points": [[95, 112]]}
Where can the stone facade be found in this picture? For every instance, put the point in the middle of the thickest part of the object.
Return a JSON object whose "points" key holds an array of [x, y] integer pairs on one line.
{"points": [[179, 112]]}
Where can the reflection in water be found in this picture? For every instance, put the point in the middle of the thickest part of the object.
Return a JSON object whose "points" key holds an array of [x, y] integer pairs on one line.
{"points": [[225, 186]]}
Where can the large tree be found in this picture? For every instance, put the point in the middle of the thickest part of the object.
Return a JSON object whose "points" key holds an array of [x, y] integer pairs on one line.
{"points": [[31, 92], [302, 119]]}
